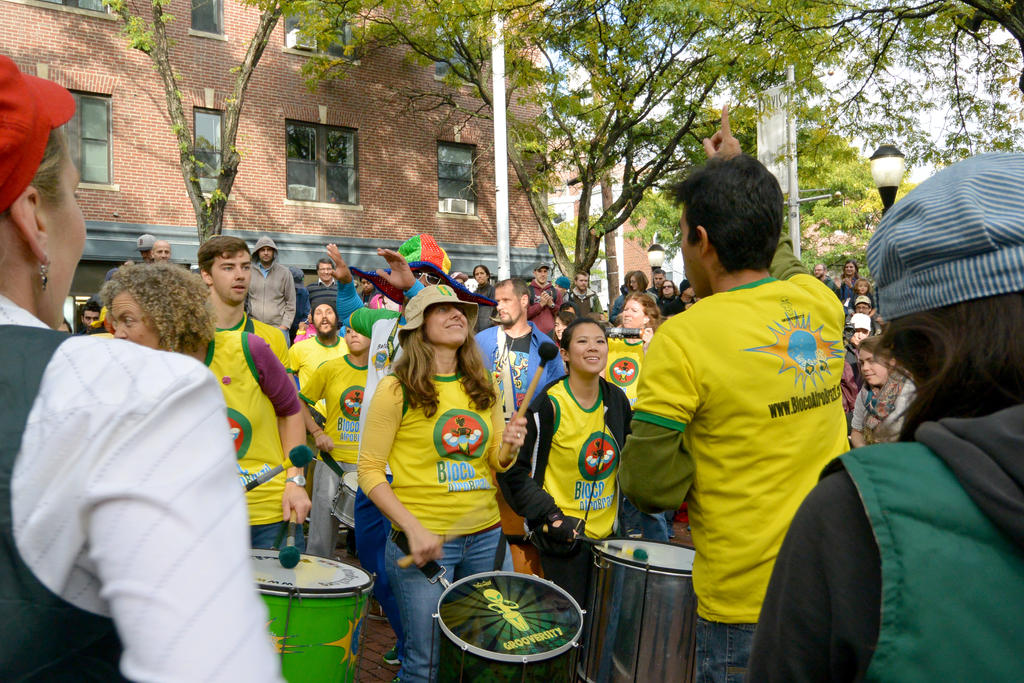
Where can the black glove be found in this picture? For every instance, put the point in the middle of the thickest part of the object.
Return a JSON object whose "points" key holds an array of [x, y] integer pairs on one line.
{"points": [[565, 532]]}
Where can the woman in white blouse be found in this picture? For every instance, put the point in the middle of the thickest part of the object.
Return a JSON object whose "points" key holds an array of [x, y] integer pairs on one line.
{"points": [[124, 526]]}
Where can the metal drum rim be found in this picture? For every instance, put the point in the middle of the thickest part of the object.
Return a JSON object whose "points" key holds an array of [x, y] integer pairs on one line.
{"points": [[325, 592], [500, 656], [635, 564]]}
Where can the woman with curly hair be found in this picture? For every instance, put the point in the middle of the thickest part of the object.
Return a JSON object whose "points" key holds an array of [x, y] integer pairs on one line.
{"points": [[437, 423], [164, 307], [161, 306]]}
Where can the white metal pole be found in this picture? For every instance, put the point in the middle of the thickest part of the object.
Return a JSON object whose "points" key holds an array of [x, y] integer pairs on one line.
{"points": [[500, 149], [794, 188]]}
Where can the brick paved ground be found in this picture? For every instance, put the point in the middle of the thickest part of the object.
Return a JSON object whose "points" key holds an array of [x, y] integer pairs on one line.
{"points": [[378, 637]]}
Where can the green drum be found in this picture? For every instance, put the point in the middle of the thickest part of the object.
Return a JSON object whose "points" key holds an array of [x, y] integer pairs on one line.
{"points": [[502, 627], [316, 609]]}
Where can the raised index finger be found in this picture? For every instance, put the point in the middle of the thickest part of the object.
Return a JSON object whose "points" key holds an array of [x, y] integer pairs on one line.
{"points": [[726, 132]]}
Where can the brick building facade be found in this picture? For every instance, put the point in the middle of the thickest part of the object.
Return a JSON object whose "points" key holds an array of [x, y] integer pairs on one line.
{"points": [[389, 188]]}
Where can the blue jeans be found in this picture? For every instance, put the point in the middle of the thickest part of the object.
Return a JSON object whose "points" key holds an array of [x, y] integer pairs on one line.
{"points": [[370, 542], [263, 536], [722, 651], [632, 521], [418, 598]]}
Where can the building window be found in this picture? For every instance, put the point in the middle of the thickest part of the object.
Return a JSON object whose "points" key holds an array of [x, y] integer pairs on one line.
{"points": [[92, 5], [88, 134], [207, 16], [343, 46], [207, 147], [442, 69], [321, 163], [455, 191]]}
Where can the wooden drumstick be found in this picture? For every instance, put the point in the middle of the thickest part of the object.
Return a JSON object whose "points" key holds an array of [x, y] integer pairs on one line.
{"points": [[407, 561], [547, 352]]}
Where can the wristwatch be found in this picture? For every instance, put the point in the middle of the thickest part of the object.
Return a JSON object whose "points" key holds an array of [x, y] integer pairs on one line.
{"points": [[297, 479]]}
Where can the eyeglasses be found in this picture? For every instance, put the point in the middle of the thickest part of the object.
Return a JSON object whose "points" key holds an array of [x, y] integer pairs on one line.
{"points": [[432, 279]]}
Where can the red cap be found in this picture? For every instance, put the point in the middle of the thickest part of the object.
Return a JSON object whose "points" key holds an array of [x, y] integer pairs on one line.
{"points": [[30, 108]]}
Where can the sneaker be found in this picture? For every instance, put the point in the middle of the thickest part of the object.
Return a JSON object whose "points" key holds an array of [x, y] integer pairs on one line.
{"points": [[391, 657]]}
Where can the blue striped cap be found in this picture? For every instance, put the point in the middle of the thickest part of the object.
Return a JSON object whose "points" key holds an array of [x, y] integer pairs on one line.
{"points": [[955, 237]]}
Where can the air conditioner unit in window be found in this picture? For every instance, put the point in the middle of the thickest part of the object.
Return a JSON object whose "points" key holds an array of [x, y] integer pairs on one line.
{"points": [[453, 205], [293, 38], [302, 193]]}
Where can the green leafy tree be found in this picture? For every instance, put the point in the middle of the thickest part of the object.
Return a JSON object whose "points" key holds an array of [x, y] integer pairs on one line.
{"points": [[620, 89], [146, 30], [625, 89], [884, 66], [657, 221]]}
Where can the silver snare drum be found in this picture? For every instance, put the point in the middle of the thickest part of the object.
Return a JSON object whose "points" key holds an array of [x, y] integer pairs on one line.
{"points": [[641, 615], [343, 507]]}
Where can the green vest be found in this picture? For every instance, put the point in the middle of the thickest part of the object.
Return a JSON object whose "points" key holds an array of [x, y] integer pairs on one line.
{"points": [[952, 582], [42, 636]]}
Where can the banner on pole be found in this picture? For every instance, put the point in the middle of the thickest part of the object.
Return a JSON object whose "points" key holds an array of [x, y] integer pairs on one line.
{"points": [[772, 134]]}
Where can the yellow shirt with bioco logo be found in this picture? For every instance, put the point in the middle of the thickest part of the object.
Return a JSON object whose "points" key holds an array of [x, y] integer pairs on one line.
{"points": [[582, 462], [340, 383], [624, 359], [252, 420], [443, 465]]}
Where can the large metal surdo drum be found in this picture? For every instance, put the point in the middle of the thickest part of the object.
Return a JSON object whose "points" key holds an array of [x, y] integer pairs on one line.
{"points": [[641, 616], [316, 609], [343, 507], [501, 627]]}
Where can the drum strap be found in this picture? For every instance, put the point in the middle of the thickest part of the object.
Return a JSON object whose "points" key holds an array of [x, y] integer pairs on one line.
{"points": [[499, 552], [280, 534], [332, 464]]}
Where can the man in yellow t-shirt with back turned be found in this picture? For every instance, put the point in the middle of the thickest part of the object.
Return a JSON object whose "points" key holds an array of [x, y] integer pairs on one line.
{"points": [[739, 407]]}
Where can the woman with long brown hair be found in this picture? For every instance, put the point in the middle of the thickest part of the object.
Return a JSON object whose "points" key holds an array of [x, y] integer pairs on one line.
{"points": [[437, 423], [636, 281], [882, 401]]}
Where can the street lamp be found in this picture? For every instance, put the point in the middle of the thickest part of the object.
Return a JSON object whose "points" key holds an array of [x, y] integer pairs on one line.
{"points": [[655, 255], [887, 168]]}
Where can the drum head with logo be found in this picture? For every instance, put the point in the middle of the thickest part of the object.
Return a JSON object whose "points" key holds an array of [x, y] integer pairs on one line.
{"points": [[311, 577], [510, 617]]}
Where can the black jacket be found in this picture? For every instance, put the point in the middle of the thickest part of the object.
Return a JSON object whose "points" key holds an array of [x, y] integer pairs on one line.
{"points": [[525, 493]]}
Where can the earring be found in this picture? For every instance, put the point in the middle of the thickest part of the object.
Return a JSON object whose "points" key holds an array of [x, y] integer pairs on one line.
{"points": [[44, 272]]}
